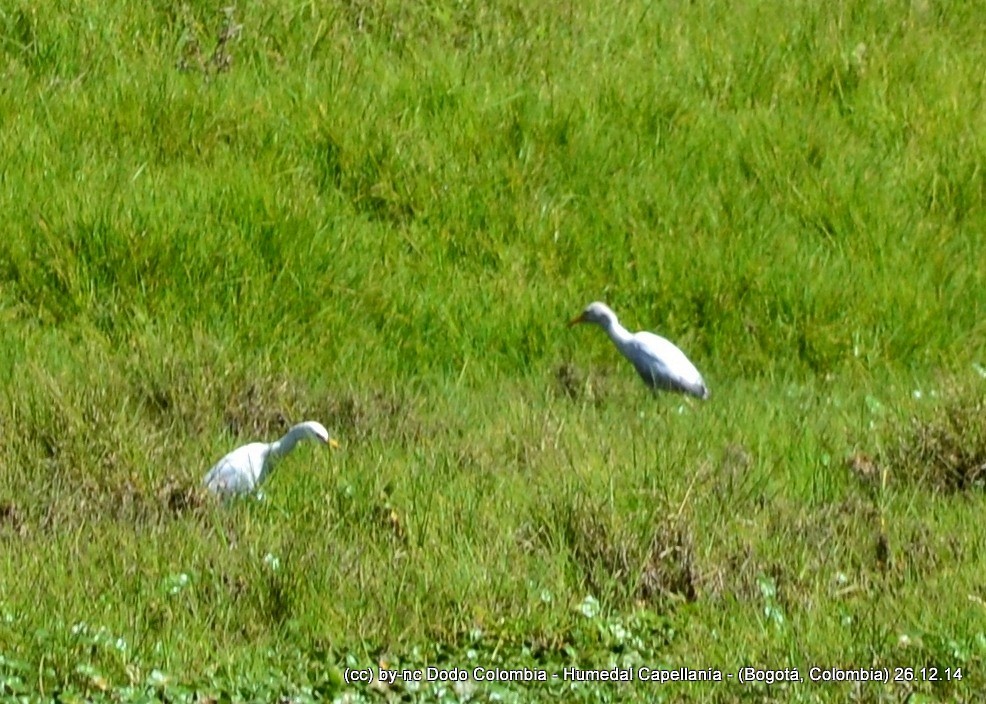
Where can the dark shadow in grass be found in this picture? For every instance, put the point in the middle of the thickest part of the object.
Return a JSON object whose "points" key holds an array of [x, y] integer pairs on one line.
{"points": [[578, 385], [133, 502], [570, 380], [259, 410], [613, 559], [374, 415], [946, 452], [12, 518], [127, 500], [193, 56], [670, 568]]}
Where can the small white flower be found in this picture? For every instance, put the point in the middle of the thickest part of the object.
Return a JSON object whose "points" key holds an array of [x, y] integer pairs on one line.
{"points": [[157, 679], [464, 690], [589, 607], [176, 583]]}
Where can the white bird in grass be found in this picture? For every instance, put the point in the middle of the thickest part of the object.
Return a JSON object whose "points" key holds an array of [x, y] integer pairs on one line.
{"points": [[659, 362], [245, 468]]}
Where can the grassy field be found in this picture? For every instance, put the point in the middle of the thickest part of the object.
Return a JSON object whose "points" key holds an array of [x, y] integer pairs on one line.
{"points": [[380, 215]]}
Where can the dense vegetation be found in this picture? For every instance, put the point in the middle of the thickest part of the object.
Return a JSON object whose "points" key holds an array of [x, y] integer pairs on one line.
{"points": [[380, 215]]}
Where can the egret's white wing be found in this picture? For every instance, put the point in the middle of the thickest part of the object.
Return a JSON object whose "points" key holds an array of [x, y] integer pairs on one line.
{"points": [[663, 365], [238, 472]]}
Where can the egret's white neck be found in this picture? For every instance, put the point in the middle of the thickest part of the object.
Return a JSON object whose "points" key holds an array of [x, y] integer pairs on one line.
{"points": [[617, 333], [281, 447]]}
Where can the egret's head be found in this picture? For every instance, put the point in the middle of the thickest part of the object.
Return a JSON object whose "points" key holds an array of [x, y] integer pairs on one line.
{"points": [[598, 313], [317, 431]]}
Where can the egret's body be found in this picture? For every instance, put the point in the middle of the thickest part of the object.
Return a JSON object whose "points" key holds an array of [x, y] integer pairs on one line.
{"points": [[245, 468], [658, 361]]}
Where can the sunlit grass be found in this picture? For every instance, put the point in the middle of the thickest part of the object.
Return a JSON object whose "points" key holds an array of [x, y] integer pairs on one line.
{"points": [[380, 215]]}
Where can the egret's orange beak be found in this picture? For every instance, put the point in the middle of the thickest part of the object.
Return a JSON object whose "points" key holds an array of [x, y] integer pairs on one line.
{"points": [[333, 444], [580, 318]]}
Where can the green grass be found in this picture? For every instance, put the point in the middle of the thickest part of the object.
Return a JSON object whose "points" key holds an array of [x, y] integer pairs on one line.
{"points": [[380, 215]]}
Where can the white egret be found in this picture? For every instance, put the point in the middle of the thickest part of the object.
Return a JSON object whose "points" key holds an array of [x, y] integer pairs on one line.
{"points": [[658, 361], [245, 468]]}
